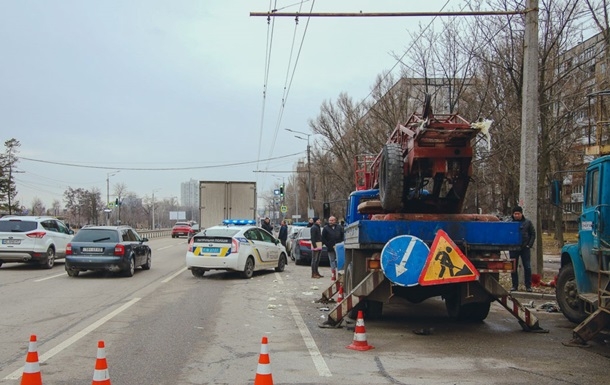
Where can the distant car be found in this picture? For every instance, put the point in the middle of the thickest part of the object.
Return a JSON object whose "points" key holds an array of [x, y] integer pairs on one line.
{"points": [[107, 248], [31, 239], [182, 228], [237, 245], [301, 249], [293, 232]]}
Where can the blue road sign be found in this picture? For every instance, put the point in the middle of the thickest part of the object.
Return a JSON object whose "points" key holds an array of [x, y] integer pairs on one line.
{"points": [[403, 258]]}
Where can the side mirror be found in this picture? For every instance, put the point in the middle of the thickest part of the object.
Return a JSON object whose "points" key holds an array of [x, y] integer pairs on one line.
{"points": [[144, 239]]}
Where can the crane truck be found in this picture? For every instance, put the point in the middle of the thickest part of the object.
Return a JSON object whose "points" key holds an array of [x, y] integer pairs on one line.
{"points": [[407, 236]]}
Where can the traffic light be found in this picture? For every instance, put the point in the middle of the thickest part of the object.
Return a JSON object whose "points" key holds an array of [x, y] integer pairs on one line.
{"points": [[326, 210], [116, 201], [282, 190]]}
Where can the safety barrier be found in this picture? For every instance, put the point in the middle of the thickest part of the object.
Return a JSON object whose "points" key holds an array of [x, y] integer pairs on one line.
{"points": [[150, 234]]}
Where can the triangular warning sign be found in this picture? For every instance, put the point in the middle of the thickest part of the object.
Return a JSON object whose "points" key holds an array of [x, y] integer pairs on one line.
{"points": [[446, 263]]}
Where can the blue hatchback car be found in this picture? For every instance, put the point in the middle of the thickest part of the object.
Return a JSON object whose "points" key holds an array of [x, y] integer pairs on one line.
{"points": [[107, 248]]}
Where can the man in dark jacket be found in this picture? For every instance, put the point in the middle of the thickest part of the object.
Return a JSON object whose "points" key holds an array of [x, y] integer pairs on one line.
{"points": [[283, 234], [332, 234], [316, 247], [528, 236], [267, 225]]}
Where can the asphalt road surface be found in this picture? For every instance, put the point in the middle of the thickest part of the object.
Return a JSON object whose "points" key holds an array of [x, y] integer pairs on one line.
{"points": [[164, 326]]}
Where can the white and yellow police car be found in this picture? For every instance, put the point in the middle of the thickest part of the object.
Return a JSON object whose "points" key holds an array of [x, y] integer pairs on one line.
{"points": [[236, 245]]}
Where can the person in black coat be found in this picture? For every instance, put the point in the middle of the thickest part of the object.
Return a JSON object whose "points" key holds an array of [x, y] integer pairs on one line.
{"points": [[316, 248], [283, 234], [528, 236], [267, 225], [332, 234]]}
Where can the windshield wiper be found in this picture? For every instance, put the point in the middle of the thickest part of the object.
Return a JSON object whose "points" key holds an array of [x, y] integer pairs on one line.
{"points": [[101, 239]]}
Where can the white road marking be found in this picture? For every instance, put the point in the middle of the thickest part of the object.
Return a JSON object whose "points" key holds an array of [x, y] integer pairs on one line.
{"points": [[51, 277], [166, 280], [63, 345], [314, 352], [168, 247]]}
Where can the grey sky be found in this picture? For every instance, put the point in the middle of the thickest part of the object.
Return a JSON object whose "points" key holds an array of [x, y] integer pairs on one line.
{"points": [[171, 84]]}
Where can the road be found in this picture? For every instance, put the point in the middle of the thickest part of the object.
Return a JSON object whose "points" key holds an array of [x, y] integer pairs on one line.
{"points": [[164, 326]]}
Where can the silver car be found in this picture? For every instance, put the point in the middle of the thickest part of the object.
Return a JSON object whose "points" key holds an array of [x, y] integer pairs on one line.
{"points": [[31, 239]]}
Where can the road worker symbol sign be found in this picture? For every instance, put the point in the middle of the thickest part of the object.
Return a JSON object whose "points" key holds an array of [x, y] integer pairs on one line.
{"points": [[446, 263]]}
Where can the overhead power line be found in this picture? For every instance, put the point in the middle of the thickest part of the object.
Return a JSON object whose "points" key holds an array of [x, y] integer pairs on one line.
{"points": [[155, 169]]}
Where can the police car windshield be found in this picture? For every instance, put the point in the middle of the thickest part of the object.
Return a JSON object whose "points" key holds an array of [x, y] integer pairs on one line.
{"points": [[219, 232]]}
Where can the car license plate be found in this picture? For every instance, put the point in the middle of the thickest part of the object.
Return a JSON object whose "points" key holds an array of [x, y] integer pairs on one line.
{"points": [[92, 249], [11, 241], [211, 250]]}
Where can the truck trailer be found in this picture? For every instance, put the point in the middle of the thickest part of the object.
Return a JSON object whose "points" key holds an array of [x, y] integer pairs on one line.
{"points": [[407, 236], [220, 200]]}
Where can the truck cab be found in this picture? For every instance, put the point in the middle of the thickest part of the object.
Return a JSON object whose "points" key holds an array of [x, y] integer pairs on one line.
{"points": [[583, 280]]}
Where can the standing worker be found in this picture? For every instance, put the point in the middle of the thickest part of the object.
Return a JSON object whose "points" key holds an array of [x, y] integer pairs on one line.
{"points": [[528, 236], [332, 234], [316, 248], [283, 234]]}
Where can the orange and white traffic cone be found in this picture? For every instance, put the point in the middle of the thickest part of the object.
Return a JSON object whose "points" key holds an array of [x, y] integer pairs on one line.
{"points": [[340, 296], [31, 371], [100, 374], [263, 370], [359, 342]]}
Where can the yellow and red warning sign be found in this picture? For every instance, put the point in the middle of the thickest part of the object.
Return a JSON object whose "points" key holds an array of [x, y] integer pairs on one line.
{"points": [[446, 263]]}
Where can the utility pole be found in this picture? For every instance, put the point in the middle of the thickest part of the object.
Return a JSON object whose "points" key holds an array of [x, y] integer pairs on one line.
{"points": [[528, 175], [108, 175], [309, 208]]}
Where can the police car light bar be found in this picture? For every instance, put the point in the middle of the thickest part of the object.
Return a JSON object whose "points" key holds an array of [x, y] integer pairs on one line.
{"points": [[239, 222]]}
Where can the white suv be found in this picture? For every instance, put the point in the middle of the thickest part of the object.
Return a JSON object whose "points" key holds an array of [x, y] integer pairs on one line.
{"points": [[32, 239]]}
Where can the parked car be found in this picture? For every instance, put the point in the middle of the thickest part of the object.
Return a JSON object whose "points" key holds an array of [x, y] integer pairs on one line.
{"points": [[107, 248], [236, 245], [33, 239], [293, 232], [301, 253], [182, 228]]}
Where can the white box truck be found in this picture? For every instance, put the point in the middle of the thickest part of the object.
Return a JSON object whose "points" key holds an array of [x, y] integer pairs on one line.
{"points": [[220, 200]]}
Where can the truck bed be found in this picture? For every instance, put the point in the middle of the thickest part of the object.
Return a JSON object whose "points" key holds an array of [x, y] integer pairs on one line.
{"points": [[463, 230]]}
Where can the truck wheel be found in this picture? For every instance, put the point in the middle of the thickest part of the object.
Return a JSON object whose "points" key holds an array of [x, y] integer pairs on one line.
{"points": [[249, 268], [567, 295], [470, 312], [391, 177]]}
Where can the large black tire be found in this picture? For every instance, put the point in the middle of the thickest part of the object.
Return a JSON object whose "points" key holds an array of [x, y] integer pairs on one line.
{"points": [[49, 262], [197, 272], [248, 268], [281, 265], [567, 295], [391, 177], [470, 312], [73, 273], [148, 263], [131, 269]]}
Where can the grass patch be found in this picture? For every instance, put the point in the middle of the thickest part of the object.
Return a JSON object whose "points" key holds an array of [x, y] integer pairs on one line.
{"points": [[550, 244]]}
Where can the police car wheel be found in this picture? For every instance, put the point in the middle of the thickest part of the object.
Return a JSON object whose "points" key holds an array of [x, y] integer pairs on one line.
{"points": [[281, 264], [248, 268], [197, 272]]}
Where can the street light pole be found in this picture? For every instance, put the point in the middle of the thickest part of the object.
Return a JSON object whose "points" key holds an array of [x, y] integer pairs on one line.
{"points": [[108, 175], [309, 209], [153, 208]]}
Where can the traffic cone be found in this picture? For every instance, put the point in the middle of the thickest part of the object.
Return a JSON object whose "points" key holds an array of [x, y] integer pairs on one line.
{"points": [[333, 276], [359, 342], [31, 371], [340, 296], [100, 374], [263, 370]]}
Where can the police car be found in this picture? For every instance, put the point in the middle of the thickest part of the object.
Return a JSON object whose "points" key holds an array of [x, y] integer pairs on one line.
{"points": [[236, 245]]}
